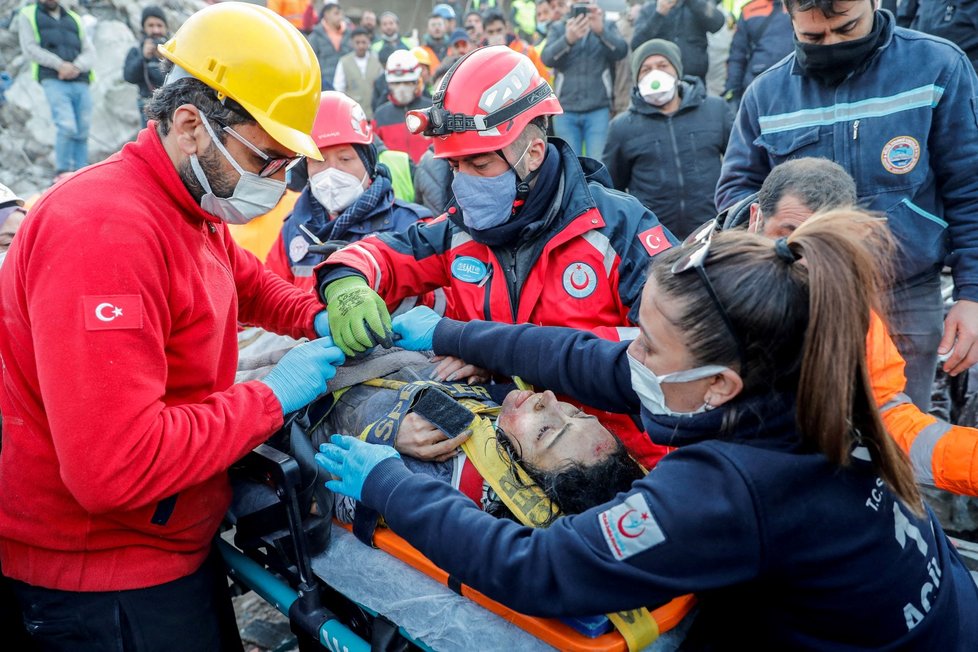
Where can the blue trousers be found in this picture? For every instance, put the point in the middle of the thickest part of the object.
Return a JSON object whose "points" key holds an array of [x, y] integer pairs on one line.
{"points": [[586, 132], [71, 110]]}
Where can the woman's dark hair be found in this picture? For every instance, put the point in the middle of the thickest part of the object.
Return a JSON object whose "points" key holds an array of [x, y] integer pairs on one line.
{"points": [[803, 325], [575, 487], [168, 97]]}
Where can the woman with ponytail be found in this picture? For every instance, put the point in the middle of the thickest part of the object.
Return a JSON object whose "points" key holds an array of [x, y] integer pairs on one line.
{"points": [[786, 508]]}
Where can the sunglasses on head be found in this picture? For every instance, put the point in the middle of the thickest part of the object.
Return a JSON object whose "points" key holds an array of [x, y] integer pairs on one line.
{"points": [[695, 249]]}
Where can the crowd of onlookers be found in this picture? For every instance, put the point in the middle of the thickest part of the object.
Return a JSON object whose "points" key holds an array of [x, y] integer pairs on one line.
{"points": [[670, 71]]}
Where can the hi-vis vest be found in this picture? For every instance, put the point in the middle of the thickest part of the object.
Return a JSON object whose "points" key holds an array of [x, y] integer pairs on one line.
{"points": [[31, 12], [399, 165]]}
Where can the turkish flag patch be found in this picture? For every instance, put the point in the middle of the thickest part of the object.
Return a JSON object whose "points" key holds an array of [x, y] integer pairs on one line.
{"points": [[654, 240], [113, 312]]}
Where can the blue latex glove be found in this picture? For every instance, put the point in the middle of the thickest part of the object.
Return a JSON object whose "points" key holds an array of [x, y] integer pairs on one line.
{"points": [[416, 328], [321, 324], [301, 375], [351, 460]]}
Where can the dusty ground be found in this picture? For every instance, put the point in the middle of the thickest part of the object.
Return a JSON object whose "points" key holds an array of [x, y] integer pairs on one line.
{"points": [[263, 628]]}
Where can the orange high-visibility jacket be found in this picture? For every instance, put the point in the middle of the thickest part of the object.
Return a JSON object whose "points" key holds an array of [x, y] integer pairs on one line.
{"points": [[943, 455]]}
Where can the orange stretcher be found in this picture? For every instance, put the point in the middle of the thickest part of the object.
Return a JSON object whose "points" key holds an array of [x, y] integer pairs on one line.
{"points": [[548, 630]]}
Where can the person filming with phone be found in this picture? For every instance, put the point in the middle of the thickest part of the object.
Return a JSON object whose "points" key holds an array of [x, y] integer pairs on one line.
{"points": [[583, 49], [143, 63]]}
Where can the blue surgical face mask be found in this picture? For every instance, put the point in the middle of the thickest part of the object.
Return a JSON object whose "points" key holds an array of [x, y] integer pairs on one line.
{"points": [[648, 386], [486, 201], [252, 196]]}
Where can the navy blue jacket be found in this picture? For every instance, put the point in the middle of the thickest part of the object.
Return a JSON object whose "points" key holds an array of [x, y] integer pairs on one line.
{"points": [[904, 125], [783, 549], [761, 40], [390, 214]]}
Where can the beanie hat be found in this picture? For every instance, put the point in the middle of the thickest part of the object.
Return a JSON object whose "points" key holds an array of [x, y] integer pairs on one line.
{"points": [[667, 49], [368, 156], [152, 11]]}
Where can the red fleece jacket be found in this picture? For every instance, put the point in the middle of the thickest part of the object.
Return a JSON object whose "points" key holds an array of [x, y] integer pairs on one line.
{"points": [[119, 303]]}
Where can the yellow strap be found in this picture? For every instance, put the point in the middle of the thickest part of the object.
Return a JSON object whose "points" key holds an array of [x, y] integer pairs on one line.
{"points": [[525, 499], [636, 626]]}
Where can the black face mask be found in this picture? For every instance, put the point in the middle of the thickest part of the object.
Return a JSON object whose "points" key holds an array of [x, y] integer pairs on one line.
{"points": [[830, 64]]}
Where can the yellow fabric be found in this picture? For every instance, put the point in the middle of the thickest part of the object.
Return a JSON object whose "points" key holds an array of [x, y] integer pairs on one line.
{"points": [[279, 90], [258, 235]]}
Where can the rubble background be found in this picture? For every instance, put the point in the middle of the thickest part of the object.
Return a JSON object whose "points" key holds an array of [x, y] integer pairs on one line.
{"points": [[26, 129]]}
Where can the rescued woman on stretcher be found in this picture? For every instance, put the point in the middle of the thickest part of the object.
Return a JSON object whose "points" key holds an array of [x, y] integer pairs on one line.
{"points": [[576, 461], [786, 507]]}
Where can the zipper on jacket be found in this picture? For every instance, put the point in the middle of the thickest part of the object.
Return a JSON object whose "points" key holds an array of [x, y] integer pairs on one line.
{"points": [[855, 130], [679, 170], [487, 297]]}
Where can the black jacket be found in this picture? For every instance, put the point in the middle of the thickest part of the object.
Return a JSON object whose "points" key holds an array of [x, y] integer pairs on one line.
{"points": [[686, 26], [955, 20], [671, 163], [146, 74]]}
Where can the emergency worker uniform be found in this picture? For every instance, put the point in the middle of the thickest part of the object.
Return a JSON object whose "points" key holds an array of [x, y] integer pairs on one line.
{"points": [[290, 257], [156, 341], [582, 264], [943, 455], [908, 135], [783, 549]]}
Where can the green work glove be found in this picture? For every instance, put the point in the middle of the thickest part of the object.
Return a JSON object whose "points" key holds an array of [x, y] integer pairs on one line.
{"points": [[358, 317]]}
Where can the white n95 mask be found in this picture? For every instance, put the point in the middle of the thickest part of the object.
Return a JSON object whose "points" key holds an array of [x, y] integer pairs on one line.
{"points": [[335, 189], [657, 87], [648, 385]]}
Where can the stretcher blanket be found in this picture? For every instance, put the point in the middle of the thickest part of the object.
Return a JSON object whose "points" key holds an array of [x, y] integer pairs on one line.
{"points": [[426, 609]]}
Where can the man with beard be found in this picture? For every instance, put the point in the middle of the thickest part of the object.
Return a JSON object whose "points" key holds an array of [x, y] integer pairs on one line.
{"points": [[855, 92], [121, 412]]}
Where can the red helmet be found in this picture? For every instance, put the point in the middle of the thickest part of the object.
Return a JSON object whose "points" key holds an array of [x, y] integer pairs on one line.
{"points": [[484, 102], [340, 121]]}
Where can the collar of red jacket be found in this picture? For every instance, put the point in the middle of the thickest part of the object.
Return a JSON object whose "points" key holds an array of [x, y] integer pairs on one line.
{"points": [[160, 170]]}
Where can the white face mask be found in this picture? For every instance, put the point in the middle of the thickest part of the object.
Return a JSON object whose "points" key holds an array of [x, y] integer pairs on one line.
{"points": [[402, 94], [657, 87], [253, 196], [335, 189], [648, 385]]}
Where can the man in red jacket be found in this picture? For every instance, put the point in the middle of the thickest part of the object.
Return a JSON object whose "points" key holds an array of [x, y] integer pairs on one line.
{"points": [[119, 305]]}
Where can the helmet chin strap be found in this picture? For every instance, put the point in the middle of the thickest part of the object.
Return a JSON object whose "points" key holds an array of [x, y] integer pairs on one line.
{"points": [[522, 183]]}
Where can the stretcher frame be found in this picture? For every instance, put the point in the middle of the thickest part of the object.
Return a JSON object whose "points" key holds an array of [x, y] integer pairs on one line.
{"points": [[314, 608]]}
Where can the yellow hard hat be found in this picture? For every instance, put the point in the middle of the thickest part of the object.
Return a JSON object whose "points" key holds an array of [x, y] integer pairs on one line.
{"points": [[423, 56], [255, 57]]}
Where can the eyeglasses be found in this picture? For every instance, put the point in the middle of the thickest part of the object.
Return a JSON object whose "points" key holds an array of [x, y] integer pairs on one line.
{"points": [[698, 246], [272, 164]]}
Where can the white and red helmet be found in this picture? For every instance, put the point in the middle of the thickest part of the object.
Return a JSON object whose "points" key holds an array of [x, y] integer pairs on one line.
{"points": [[340, 121], [484, 103], [402, 66]]}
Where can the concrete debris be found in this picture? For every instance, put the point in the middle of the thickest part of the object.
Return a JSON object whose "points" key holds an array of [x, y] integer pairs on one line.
{"points": [[26, 129]]}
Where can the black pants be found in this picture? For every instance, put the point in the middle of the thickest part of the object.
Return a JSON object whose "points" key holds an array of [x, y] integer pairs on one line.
{"points": [[189, 614]]}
